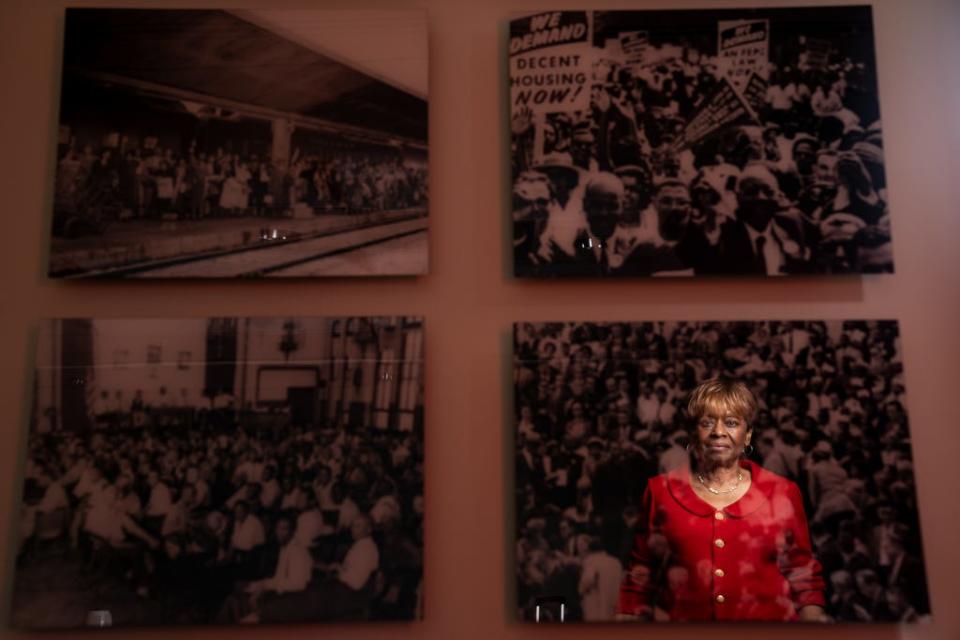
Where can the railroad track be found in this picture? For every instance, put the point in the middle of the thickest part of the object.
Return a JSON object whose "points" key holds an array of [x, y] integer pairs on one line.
{"points": [[274, 254]]}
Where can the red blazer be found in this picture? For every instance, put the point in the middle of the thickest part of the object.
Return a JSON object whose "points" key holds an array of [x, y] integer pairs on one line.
{"points": [[748, 561]]}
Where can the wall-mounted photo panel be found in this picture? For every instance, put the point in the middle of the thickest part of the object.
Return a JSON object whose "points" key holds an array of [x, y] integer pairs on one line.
{"points": [[222, 471], [715, 471], [227, 143], [696, 142]]}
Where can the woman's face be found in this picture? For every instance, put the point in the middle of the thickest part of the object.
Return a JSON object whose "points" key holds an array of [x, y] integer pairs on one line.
{"points": [[721, 436]]}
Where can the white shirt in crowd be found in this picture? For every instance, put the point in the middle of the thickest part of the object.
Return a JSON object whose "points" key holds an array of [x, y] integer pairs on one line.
{"points": [[294, 569], [673, 457], [781, 98], [103, 518], [295, 500], [269, 493], [238, 495], [251, 471], [361, 561], [53, 498], [160, 500], [310, 526], [796, 340], [84, 480], [648, 407], [600, 579], [666, 413], [247, 534], [386, 508], [348, 513], [202, 491], [772, 253], [130, 504], [324, 493]]}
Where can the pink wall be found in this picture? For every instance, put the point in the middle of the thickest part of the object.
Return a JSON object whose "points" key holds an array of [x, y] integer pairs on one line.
{"points": [[469, 302]]}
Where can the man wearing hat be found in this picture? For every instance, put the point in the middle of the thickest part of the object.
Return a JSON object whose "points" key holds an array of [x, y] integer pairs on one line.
{"points": [[565, 222], [564, 177]]}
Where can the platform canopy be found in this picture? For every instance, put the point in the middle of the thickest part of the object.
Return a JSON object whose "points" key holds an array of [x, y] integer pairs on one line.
{"points": [[221, 55]]}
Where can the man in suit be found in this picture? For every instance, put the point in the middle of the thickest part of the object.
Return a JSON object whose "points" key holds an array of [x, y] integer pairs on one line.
{"points": [[765, 238], [603, 197], [676, 246]]}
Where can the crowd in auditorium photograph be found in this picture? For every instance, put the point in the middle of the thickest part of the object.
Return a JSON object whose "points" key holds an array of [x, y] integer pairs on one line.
{"points": [[225, 523]]}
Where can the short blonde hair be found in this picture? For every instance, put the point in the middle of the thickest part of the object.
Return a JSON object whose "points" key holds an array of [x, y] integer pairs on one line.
{"points": [[728, 394]]}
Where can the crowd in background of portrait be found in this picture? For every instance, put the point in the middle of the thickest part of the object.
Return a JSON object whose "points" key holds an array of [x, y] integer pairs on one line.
{"points": [[697, 142], [600, 410]]}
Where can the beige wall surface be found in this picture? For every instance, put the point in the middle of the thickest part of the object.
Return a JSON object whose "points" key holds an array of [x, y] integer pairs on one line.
{"points": [[469, 301]]}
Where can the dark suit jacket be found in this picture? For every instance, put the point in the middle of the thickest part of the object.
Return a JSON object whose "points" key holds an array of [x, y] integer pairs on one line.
{"points": [[692, 252], [738, 254]]}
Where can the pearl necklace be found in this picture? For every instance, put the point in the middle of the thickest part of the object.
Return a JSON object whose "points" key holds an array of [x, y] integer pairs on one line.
{"points": [[718, 492]]}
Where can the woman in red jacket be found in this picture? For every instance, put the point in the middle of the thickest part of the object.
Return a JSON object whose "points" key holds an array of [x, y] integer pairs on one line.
{"points": [[722, 538]]}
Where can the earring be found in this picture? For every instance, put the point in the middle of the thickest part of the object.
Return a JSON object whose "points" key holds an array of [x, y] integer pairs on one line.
{"points": [[748, 449]]}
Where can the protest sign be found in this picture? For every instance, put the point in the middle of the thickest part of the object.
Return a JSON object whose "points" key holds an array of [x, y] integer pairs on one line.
{"points": [[755, 92], [744, 48], [724, 108], [635, 45], [550, 62], [816, 53]]}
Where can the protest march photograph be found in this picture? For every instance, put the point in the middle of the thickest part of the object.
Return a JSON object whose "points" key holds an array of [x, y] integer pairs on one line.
{"points": [[241, 143], [743, 142], [222, 471], [715, 471]]}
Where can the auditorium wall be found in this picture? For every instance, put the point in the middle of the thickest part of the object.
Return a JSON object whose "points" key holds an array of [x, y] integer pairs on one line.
{"points": [[167, 367], [469, 301], [258, 343]]}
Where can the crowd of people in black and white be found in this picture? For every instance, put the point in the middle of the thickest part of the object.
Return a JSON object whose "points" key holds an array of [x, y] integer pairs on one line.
{"points": [[95, 187], [600, 410], [618, 190], [230, 523]]}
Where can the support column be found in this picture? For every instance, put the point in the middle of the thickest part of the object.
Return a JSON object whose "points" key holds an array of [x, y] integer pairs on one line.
{"points": [[282, 131]]}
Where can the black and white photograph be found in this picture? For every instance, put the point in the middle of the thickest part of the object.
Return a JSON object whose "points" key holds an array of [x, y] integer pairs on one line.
{"points": [[680, 471], [222, 471], [241, 143], [738, 142]]}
